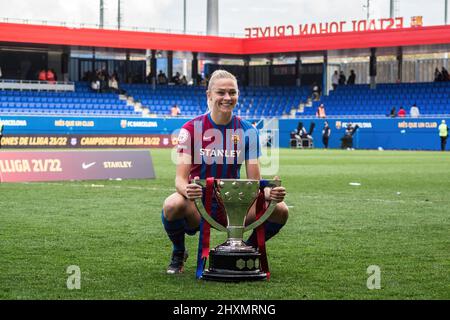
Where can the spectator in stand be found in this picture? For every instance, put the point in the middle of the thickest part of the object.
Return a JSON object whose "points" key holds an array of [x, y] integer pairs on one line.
{"points": [[393, 113], [175, 110], [320, 113], [50, 76], [335, 80], [414, 111], [103, 77], [352, 77], [1, 75], [95, 82], [315, 92], [183, 81], [445, 75], [401, 113], [95, 85], [200, 80], [437, 75], [148, 78], [114, 85], [205, 80], [42, 75], [176, 79], [342, 78], [162, 78]]}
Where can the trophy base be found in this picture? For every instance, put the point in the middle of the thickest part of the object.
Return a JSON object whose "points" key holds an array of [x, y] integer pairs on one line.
{"points": [[224, 277], [229, 266]]}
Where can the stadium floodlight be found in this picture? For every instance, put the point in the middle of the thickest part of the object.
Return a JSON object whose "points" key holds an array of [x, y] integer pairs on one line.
{"points": [[394, 4], [212, 17], [102, 14], [367, 6], [184, 16], [119, 13], [446, 12]]}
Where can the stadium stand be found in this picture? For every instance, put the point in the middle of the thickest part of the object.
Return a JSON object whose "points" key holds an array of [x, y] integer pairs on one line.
{"points": [[253, 101], [355, 100], [431, 97], [82, 101]]}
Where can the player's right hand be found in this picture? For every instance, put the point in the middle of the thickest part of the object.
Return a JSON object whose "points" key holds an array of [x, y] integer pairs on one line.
{"points": [[193, 190], [277, 194]]}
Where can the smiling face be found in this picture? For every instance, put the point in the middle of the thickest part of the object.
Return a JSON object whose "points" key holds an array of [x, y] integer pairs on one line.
{"points": [[223, 95]]}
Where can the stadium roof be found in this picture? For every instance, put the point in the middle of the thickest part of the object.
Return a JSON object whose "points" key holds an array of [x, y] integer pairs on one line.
{"points": [[418, 39]]}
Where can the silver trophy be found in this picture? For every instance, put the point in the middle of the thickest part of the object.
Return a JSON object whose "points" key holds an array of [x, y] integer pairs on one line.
{"points": [[234, 260]]}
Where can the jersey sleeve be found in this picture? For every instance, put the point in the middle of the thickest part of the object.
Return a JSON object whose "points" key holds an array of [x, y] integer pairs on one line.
{"points": [[186, 139]]}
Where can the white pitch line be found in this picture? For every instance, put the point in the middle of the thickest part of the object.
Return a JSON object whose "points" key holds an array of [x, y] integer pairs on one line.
{"points": [[173, 190], [369, 199], [99, 186]]}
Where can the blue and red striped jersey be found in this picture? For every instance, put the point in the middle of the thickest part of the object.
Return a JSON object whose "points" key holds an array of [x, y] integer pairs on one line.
{"points": [[218, 150]]}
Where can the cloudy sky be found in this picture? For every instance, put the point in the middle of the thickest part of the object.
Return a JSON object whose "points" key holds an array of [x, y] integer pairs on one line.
{"points": [[234, 15]]}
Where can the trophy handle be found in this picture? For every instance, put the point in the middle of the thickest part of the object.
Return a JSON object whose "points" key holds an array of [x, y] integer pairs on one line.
{"points": [[269, 210], [204, 214]]}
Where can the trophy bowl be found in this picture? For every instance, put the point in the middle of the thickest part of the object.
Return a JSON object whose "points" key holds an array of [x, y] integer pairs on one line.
{"points": [[233, 260]]}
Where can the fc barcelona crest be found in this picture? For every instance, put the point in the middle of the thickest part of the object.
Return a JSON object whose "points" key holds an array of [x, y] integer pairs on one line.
{"points": [[235, 138]]}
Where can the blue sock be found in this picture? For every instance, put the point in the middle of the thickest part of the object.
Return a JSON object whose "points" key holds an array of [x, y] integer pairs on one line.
{"points": [[270, 229], [175, 231]]}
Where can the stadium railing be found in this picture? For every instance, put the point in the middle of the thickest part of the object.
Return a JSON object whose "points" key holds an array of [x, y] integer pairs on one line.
{"points": [[7, 84]]}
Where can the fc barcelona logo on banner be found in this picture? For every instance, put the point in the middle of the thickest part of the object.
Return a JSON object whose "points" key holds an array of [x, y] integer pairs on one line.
{"points": [[417, 21]]}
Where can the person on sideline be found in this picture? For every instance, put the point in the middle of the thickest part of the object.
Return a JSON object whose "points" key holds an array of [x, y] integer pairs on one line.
{"points": [[443, 134], [326, 132]]}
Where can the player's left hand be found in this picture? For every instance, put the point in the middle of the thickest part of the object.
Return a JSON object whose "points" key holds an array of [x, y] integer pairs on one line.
{"points": [[277, 194]]}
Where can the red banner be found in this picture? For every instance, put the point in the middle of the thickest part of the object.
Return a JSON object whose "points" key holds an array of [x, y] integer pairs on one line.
{"points": [[75, 165]]}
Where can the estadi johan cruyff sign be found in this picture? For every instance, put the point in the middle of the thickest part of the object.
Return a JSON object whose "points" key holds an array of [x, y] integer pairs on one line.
{"points": [[18, 166], [332, 27]]}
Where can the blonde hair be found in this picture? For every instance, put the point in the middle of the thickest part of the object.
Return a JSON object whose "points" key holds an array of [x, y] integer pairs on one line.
{"points": [[220, 74], [217, 75]]}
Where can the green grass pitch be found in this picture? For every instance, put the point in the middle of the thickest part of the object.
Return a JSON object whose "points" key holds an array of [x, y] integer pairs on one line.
{"points": [[398, 219]]}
